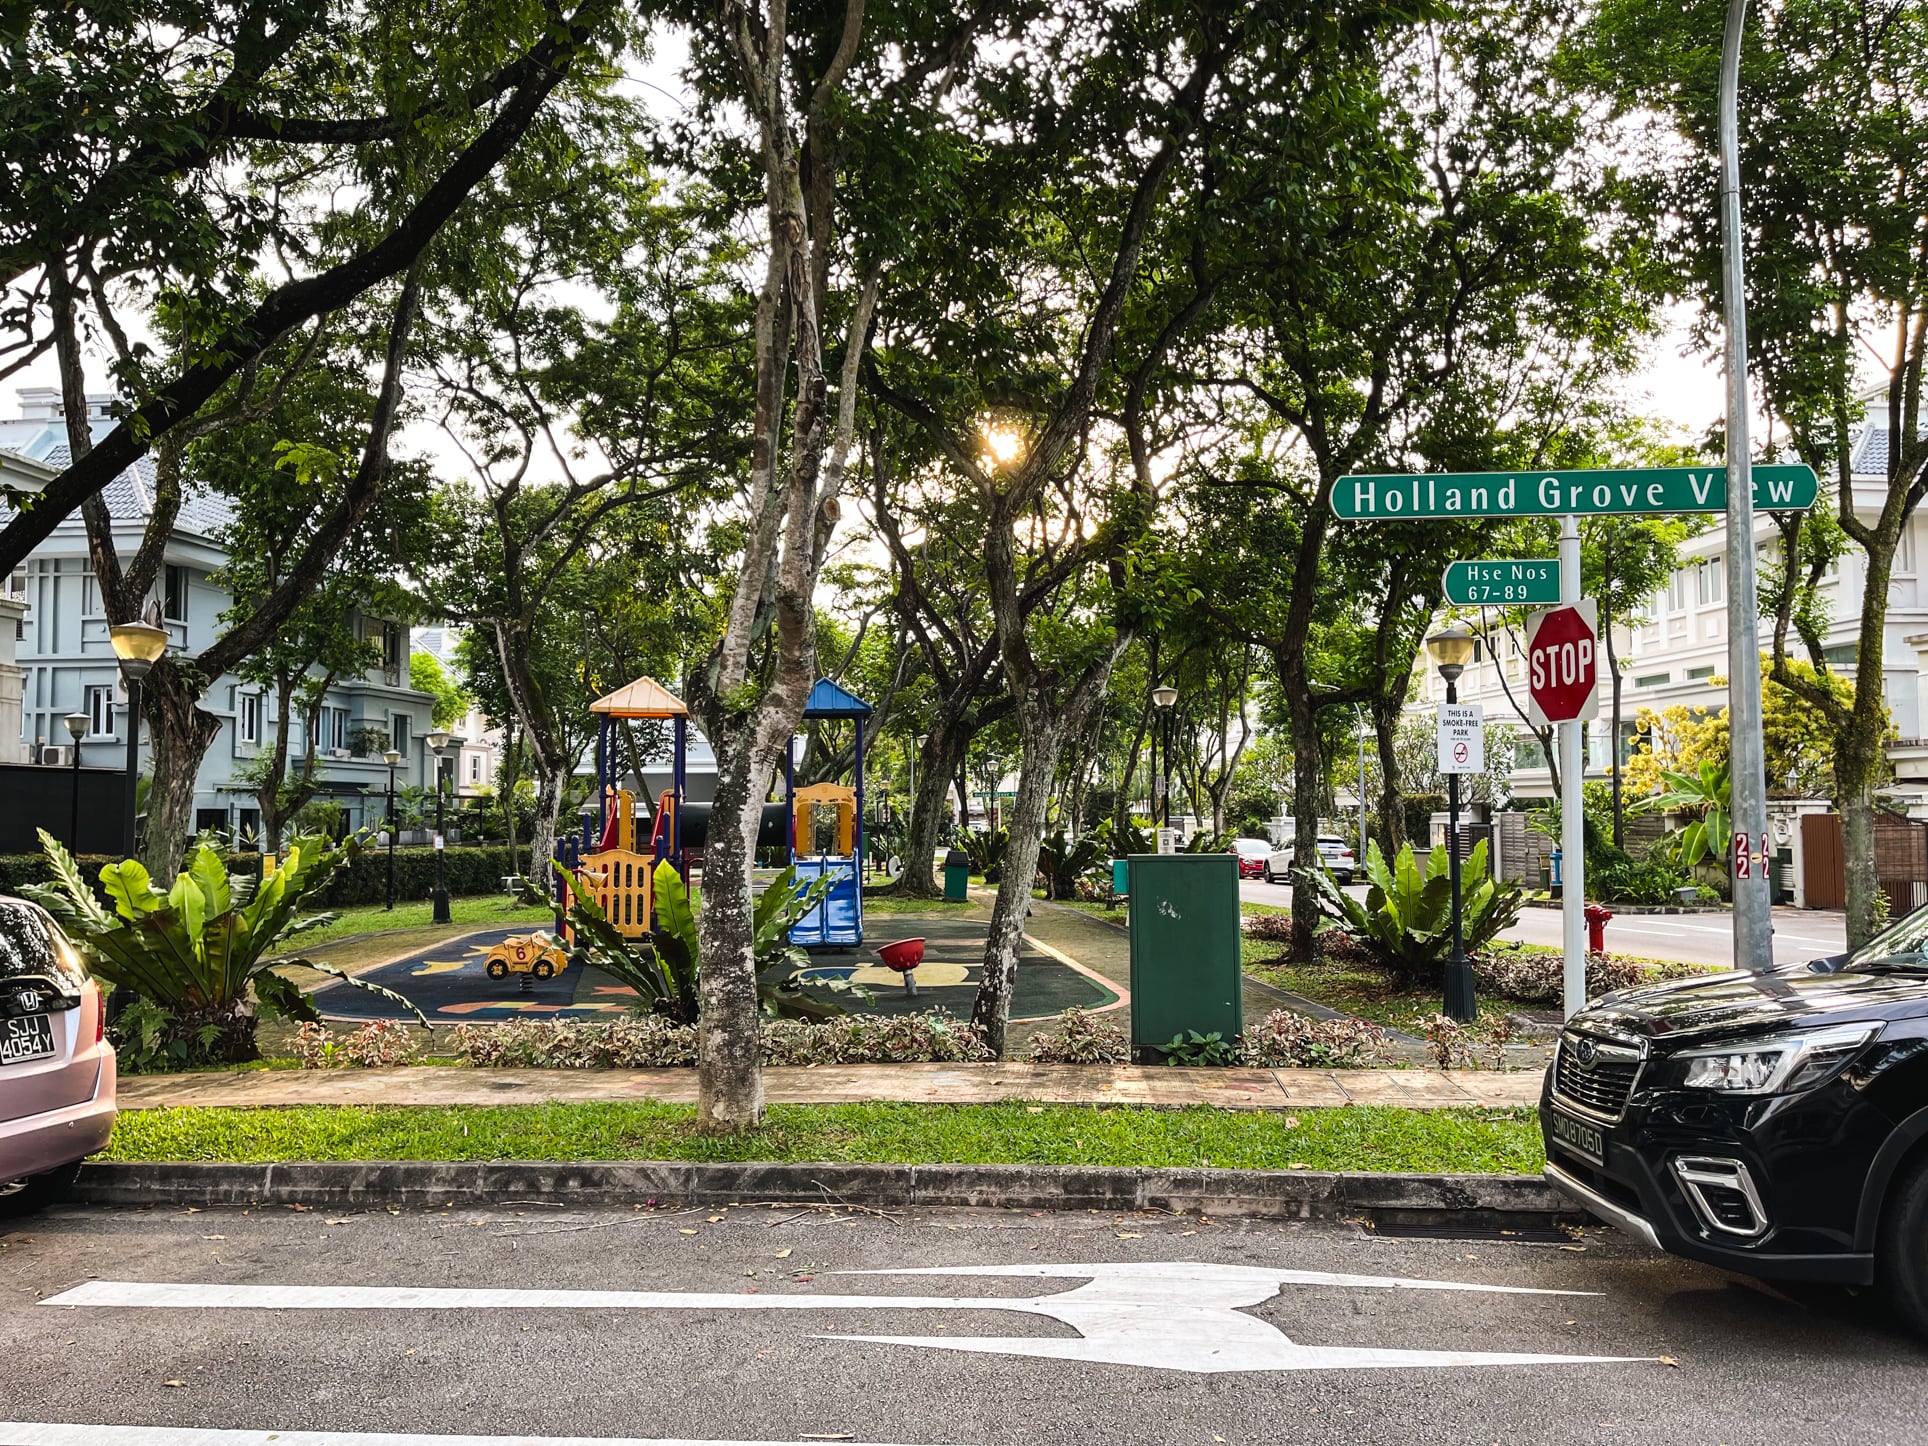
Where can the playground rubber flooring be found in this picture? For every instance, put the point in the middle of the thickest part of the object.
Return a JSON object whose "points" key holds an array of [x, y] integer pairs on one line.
{"points": [[446, 981]]}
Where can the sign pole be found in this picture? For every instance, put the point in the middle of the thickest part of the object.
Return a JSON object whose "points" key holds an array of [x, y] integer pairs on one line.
{"points": [[1573, 768], [1747, 772]]}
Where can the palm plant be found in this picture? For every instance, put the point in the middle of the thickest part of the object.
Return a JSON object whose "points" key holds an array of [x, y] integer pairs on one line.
{"points": [[200, 950], [1407, 918]]}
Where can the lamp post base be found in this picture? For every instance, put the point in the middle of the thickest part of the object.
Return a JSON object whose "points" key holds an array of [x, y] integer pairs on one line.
{"points": [[441, 897]]}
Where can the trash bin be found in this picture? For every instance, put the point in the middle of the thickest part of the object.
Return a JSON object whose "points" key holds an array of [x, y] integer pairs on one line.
{"points": [[1185, 947], [957, 876], [1121, 878]]}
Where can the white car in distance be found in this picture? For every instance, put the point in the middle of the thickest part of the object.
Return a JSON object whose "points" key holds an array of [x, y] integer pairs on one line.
{"points": [[1335, 851]]}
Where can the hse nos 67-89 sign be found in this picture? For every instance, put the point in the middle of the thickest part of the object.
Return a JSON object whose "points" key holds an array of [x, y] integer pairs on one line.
{"points": [[1562, 664], [1589, 492]]}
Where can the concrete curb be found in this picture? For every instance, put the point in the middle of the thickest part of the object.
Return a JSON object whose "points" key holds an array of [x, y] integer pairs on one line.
{"points": [[1478, 1200]]}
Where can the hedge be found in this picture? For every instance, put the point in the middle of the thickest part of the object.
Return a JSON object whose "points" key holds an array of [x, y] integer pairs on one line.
{"points": [[471, 870]]}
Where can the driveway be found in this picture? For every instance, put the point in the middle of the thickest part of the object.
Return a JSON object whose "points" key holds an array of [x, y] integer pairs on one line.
{"points": [[1799, 934]]}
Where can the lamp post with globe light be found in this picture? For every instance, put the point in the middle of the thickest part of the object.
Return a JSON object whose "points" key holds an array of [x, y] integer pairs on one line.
{"points": [[391, 758], [1164, 695], [437, 741], [77, 725], [1451, 649], [138, 646]]}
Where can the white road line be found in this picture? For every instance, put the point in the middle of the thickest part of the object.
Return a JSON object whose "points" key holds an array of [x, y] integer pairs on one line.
{"points": [[37, 1433], [1164, 1315]]}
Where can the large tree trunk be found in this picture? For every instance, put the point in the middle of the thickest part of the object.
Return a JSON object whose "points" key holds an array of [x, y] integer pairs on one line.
{"points": [[1044, 735], [180, 734], [1858, 751], [1392, 813], [1308, 770], [930, 815], [730, 1044], [542, 841]]}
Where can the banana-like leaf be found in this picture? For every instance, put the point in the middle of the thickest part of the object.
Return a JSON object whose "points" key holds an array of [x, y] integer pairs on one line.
{"points": [[68, 898], [341, 974], [285, 998], [132, 890]]}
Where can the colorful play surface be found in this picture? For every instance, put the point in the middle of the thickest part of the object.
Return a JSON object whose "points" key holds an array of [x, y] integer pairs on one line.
{"points": [[447, 980]]}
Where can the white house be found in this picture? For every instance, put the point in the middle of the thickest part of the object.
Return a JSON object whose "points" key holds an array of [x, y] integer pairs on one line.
{"points": [[67, 665]]}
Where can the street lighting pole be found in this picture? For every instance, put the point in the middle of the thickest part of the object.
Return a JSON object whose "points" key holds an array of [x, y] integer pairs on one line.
{"points": [[77, 725], [1747, 774], [1452, 650], [436, 743], [1361, 860], [391, 757], [1164, 695], [137, 646]]}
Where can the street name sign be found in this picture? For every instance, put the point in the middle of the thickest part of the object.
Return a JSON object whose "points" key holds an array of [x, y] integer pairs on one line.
{"points": [[1462, 739], [1589, 493], [1562, 663], [1503, 581]]}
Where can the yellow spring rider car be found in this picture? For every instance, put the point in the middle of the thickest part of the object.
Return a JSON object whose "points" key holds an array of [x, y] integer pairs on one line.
{"points": [[527, 956]]}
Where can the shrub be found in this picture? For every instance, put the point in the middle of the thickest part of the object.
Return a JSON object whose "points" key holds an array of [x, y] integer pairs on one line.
{"points": [[1636, 881], [379, 1044], [1080, 1037], [1269, 928], [1468, 1046], [1406, 918], [1193, 1048], [649, 1041], [1284, 1040], [1536, 978], [471, 871]]}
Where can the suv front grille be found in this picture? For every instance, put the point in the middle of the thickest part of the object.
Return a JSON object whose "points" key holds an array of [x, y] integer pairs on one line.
{"points": [[1600, 1084]]}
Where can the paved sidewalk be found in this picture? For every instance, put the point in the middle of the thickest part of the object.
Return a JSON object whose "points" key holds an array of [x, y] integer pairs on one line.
{"points": [[1248, 1089]]}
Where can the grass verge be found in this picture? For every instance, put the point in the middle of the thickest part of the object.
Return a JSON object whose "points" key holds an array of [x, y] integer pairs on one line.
{"points": [[1356, 1138], [476, 912]]}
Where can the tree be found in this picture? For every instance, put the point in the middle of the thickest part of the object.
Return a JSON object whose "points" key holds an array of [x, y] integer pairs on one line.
{"points": [[452, 701], [178, 156], [1834, 100]]}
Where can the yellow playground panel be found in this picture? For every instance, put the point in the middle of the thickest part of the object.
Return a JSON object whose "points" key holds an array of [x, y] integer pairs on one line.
{"points": [[824, 810]]}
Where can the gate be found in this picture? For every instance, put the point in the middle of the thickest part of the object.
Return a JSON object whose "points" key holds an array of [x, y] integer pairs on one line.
{"points": [[1900, 861]]}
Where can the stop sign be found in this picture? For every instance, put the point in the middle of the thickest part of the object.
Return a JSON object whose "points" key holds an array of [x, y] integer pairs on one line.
{"points": [[1562, 663]]}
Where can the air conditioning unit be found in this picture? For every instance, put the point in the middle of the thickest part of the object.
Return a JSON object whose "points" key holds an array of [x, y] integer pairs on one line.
{"points": [[338, 753], [57, 756]]}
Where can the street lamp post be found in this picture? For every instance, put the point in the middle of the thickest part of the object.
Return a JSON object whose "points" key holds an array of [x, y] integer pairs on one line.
{"points": [[391, 758], [437, 741], [1364, 733], [1452, 649], [77, 725], [138, 646], [1164, 695]]}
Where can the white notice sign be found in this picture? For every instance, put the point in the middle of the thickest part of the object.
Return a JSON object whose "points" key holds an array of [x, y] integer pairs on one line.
{"points": [[1462, 738]]}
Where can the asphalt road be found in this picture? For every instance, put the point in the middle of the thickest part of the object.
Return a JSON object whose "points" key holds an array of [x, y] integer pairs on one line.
{"points": [[1799, 934], [726, 1325]]}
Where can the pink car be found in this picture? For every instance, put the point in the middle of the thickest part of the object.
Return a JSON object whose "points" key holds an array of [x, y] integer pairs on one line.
{"points": [[56, 1067]]}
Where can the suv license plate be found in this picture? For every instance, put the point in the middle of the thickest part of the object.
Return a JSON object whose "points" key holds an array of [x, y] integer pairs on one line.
{"points": [[1588, 1141], [29, 1037]]}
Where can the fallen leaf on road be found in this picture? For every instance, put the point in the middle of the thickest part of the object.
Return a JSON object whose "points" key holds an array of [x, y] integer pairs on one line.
{"points": [[214, 1237], [173, 1383], [1668, 1361], [1188, 1232], [715, 1219], [784, 1254], [1576, 1249], [686, 1231], [1298, 1165], [1129, 1235]]}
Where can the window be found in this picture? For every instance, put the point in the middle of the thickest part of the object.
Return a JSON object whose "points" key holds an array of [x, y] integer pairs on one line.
{"points": [[391, 648], [1694, 675], [1905, 552], [100, 711], [1677, 591], [247, 717], [17, 583], [1707, 582], [1652, 680], [332, 729], [174, 594], [398, 730], [475, 768]]}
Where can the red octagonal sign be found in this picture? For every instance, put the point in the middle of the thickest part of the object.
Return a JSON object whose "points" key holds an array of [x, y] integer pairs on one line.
{"points": [[1562, 663]]}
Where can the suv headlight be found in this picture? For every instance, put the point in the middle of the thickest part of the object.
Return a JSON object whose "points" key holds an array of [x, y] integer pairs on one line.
{"points": [[1777, 1064]]}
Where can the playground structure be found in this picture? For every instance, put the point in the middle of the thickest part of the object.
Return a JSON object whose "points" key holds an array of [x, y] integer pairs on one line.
{"points": [[826, 822], [609, 857]]}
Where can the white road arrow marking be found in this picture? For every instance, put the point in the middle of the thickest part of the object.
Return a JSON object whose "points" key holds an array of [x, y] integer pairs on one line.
{"points": [[1163, 1315]]}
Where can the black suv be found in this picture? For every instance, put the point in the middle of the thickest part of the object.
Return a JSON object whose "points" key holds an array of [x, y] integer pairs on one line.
{"points": [[1774, 1124]]}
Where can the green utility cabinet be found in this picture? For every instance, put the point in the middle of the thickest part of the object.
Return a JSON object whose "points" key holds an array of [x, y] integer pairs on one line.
{"points": [[1185, 971]]}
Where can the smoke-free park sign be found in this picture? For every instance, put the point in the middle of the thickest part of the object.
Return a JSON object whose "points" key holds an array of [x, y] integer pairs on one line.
{"points": [[1778, 488]]}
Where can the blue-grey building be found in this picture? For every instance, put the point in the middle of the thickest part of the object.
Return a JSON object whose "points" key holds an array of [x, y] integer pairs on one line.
{"points": [[67, 664]]}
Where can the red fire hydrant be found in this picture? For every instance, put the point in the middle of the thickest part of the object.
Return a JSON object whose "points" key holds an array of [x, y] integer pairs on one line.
{"points": [[1596, 917]]}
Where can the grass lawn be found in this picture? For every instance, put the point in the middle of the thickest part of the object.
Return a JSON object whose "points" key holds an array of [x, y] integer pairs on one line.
{"points": [[1355, 1138], [1117, 913], [891, 904]]}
